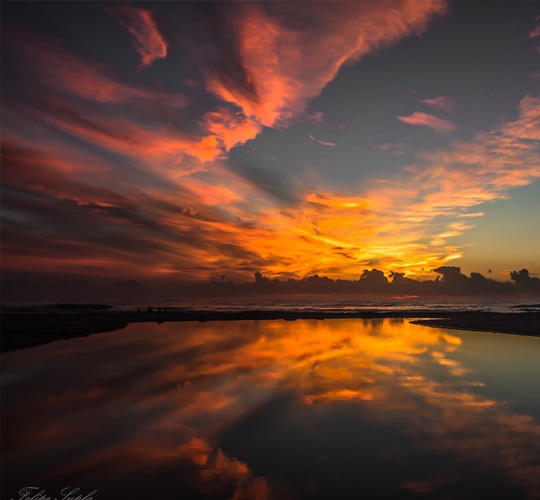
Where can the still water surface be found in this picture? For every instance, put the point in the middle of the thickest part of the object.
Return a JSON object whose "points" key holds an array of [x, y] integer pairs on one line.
{"points": [[274, 409]]}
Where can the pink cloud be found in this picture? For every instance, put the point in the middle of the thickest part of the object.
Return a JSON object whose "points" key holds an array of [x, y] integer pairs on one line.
{"points": [[322, 143], [281, 79], [442, 103], [483, 169], [145, 36], [55, 66], [430, 121], [535, 32], [163, 147], [230, 129]]}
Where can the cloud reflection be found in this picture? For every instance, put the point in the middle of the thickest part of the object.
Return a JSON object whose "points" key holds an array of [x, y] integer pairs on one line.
{"points": [[166, 396]]}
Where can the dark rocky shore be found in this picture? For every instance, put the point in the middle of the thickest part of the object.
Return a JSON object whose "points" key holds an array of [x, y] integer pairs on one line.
{"points": [[22, 330]]}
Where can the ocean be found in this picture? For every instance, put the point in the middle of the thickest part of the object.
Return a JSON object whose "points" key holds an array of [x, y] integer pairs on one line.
{"points": [[307, 303]]}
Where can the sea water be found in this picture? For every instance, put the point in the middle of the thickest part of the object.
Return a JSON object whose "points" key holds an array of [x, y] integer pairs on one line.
{"points": [[307, 303]]}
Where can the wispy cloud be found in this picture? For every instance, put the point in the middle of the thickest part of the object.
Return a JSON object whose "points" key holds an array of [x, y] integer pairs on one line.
{"points": [[145, 36], [407, 222], [88, 151], [276, 81], [199, 226], [316, 118], [442, 103], [535, 33], [322, 143], [53, 65], [397, 148], [430, 121]]}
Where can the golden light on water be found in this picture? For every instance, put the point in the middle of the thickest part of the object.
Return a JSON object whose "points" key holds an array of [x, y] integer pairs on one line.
{"points": [[191, 388]]}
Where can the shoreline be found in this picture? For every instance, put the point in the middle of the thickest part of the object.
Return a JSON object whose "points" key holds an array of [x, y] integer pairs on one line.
{"points": [[25, 330]]}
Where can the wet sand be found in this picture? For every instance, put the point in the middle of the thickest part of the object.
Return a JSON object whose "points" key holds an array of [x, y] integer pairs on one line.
{"points": [[22, 330]]}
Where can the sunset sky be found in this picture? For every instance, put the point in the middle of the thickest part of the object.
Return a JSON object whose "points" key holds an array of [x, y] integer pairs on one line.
{"points": [[191, 140]]}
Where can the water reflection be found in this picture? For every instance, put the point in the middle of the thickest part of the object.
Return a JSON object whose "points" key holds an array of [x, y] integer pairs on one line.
{"points": [[258, 410]]}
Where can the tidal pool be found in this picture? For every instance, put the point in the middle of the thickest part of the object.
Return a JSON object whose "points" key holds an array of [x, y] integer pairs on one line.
{"points": [[274, 409]]}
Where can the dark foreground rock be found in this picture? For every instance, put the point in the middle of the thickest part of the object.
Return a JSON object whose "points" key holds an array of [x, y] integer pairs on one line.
{"points": [[519, 324]]}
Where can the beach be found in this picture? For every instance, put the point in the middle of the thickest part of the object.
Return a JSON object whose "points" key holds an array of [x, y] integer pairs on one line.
{"points": [[24, 330]]}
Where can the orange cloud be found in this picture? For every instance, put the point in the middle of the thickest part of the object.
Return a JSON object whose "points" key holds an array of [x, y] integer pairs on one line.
{"points": [[471, 173], [230, 129], [195, 217], [404, 223], [430, 121], [145, 36]]}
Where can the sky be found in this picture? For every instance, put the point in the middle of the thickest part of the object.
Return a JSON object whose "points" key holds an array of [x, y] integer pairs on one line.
{"points": [[194, 140]]}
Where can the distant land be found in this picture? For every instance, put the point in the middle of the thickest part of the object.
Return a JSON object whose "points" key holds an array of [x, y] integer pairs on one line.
{"points": [[450, 282]]}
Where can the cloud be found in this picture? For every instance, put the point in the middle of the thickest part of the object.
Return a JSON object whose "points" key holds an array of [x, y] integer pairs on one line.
{"points": [[78, 97], [133, 179], [230, 129], [316, 118], [272, 80], [406, 222], [430, 121], [196, 223], [442, 103], [397, 148], [145, 36], [263, 76], [51, 64], [83, 201], [535, 32], [127, 137], [322, 143]]}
